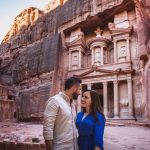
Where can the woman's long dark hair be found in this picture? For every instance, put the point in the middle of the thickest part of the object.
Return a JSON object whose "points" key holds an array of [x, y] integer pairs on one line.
{"points": [[95, 104]]}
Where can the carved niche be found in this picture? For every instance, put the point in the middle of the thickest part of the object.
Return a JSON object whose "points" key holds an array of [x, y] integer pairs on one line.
{"points": [[75, 60], [122, 50]]}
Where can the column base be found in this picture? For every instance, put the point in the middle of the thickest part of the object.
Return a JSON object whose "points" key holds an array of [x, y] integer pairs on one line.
{"points": [[131, 118], [116, 117]]}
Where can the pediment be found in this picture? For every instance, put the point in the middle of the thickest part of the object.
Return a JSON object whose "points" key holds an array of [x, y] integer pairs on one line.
{"points": [[116, 31], [76, 42], [96, 72]]}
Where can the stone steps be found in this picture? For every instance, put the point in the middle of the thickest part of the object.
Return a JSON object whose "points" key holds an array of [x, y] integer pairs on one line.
{"points": [[126, 123]]}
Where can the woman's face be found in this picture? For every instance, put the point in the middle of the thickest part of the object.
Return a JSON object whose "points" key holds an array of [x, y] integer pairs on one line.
{"points": [[86, 99]]}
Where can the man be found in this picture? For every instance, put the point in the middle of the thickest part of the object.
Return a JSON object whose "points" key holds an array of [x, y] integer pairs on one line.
{"points": [[59, 131]]}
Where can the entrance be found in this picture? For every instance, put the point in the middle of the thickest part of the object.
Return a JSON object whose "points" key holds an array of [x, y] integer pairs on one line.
{"points": [[98, 87]]}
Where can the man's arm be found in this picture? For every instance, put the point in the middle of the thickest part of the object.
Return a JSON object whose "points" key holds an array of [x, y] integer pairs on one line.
{"points": [[50, 115]]}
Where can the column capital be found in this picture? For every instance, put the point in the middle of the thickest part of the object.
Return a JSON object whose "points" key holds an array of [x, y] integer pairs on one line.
{"points": [[129, 80], [128, 38], [89, 86], [105, 83], [102, 46], [115, 40], [116, 82]]}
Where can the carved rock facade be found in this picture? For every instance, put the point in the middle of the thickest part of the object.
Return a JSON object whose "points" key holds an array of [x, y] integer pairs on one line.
{"points": [[98, 41]]}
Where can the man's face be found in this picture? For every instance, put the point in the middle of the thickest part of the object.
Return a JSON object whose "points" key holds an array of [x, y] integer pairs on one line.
{"points": [[76, 91]]}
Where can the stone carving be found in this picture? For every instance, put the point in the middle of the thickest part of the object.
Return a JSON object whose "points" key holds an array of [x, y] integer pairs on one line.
{"points": [[98, 32], [75, 60], [111, 25], [35, 48], [124, 103], [97, 55], [122, 51], [76, 34]]}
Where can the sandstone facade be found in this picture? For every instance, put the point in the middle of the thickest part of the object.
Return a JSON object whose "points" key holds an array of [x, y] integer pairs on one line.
{"points": [[105, 43]]}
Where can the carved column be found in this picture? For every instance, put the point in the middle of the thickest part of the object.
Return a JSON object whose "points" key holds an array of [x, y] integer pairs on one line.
{"points": [[105, 98], [70, 60], [130, 97], [116, 100], [102, 55], [89, 86], [93, 56], [128, 50], [115, 51], [107, 57], [80, 60]]}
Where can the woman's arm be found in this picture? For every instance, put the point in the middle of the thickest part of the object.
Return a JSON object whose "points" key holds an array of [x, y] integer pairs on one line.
{"points": [[99, 132]]}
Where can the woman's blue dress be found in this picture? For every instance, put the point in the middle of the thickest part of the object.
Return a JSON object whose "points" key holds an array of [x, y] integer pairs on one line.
{"points": [[90, 131]]}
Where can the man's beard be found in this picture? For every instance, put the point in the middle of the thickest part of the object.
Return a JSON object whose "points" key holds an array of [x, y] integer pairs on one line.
{"points": [[74, 96]]}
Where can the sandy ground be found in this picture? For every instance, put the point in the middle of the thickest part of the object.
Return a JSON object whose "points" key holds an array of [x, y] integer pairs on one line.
{"points": [[127, 138], [116, 138]]}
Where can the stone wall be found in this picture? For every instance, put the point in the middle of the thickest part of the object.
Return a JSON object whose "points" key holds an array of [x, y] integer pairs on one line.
{"points": [[7, 106], [21, 146], [31, 70], [143, 33], [7, 110]]}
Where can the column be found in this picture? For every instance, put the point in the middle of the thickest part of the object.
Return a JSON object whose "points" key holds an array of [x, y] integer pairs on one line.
{"points": [[106, 57], [105, 98], [130, 98], [80, 56], [128, 50], [70, 62], [93, 56], [116, 100], [102, 56], [115, 51], [79, 103], [89, 86]]}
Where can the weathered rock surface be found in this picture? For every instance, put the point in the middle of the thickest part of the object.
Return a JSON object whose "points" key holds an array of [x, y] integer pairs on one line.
{"points": [[143, 26], [32, 52]]}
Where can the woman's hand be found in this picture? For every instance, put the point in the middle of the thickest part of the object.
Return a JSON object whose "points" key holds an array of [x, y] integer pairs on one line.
{"points": [[97, 148]]}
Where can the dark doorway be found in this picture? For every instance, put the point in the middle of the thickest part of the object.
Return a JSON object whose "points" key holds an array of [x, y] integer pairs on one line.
{"points": [[101, 100]]}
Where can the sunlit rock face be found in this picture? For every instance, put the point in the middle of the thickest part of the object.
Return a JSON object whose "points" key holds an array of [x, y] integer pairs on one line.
{"points": [[23, 22], [53, 5], [105, 43]]}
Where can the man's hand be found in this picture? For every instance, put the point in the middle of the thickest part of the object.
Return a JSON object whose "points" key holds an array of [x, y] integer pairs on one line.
{"points": [[49, 145]]}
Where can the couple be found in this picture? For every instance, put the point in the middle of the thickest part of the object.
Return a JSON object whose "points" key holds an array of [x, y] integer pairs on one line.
{"points": [[64, 130]]}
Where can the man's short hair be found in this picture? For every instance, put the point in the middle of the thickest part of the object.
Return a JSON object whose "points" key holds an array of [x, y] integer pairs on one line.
{"points": [[70, 82]]}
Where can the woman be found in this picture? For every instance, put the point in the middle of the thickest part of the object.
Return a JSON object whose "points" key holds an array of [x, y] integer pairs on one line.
{"points": [[90, 122]]}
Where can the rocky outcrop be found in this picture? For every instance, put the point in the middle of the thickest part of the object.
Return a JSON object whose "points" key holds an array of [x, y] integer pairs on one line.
{"points": [[23, 22], [31, 70], [143, 32], [143, 25]]}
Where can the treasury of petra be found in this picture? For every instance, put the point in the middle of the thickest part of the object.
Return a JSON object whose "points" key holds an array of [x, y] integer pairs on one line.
{"points": [[106, 43]]}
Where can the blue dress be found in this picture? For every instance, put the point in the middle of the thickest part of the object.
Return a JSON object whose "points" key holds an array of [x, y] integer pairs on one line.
{"points": [[90, 131]]}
